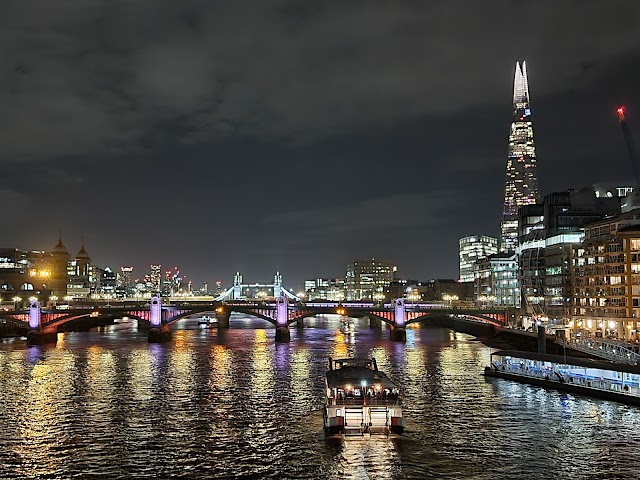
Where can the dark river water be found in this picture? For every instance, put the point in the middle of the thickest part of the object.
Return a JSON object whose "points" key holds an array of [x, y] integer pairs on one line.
{"points": [[233, 404]]}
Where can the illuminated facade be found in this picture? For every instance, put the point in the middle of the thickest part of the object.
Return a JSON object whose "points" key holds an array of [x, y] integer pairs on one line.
{"points": [[548, 235], [606, 279], [472, 249], [155, 278], [58, 274], [79, 274], [496, 281], [124, 282], [23, 274], [521, 186], [368, 279], [324, 289]]}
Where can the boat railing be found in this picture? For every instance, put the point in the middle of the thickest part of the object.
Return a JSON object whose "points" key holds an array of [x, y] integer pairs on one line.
{"points": [[560, 377], [603, 348], [370, 402]]}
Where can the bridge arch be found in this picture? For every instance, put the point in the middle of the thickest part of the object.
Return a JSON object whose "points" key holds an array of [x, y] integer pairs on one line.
{"points": [[250, 312], [332, 311], [462, 316], [60, 321], [475, 325], [16, 321], [171, 320]]}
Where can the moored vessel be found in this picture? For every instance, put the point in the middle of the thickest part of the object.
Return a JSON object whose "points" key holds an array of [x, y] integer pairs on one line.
{"points": [[595, 378], [360, 399], [207, 320]]}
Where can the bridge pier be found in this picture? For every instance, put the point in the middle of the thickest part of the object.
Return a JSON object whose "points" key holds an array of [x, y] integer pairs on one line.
{"points": [[375, 322], [222, 316], [282, 334], [282, 320], [159, 334], [398, 334], [300, 324], [39, 337]]}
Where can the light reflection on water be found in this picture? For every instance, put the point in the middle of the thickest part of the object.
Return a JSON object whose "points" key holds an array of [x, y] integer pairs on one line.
{"points": [[233, 404]]}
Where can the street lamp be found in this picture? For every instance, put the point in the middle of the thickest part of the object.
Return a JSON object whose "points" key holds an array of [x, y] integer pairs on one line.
{"points": [[17, 301]]}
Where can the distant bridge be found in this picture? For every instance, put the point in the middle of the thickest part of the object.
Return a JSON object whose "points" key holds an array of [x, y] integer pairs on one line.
{"points": [[280, 313]]}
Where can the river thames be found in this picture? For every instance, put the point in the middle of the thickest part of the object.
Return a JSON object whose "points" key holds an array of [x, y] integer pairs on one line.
{"points": [[234, 404]]}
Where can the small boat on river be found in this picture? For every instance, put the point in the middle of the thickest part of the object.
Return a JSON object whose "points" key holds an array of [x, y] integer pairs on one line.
{"points": [[207, 320], [360, 399], [347, 327]]}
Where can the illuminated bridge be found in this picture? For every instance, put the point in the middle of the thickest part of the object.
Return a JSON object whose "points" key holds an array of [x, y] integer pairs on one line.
{"points": [[43, 325]]}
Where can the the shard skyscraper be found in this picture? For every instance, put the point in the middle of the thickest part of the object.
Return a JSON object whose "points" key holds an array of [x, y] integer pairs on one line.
{"points": [[521, 186]]}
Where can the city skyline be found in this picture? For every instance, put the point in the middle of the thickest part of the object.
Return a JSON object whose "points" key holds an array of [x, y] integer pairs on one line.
{"points": [[326, 144]]}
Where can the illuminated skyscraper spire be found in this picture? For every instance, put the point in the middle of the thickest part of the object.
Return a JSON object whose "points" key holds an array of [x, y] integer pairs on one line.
{"points": [[521, 186], [520, 85]]}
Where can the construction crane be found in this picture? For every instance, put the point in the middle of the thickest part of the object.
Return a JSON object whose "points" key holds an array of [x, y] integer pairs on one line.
{"points": [[631, 148]]}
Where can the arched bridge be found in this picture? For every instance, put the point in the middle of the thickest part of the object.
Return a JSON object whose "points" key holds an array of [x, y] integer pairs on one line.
{"points": [[280, 313]]}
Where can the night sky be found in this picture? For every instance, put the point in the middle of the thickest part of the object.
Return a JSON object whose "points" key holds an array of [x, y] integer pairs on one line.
{"points": [[297, 136]]}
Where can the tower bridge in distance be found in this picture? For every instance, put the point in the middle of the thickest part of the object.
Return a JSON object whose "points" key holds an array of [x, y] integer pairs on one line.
{"points": [[42, 325]]}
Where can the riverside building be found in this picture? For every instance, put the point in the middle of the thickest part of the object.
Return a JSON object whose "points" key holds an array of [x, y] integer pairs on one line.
{"points": [[606, 279], [496, 281], [472, 249], [549, 233], [368, 279]]}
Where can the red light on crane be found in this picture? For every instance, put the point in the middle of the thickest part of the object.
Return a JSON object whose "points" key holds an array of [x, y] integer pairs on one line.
{"points": [[620, 111]]}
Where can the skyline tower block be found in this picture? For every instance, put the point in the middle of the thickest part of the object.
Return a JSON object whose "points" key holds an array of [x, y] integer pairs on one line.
{"points": [[521, 185]]}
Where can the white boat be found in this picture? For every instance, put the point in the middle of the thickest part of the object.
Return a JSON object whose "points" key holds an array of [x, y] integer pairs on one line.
{"points": [[207, 320], [619, 382], [360, 399]]}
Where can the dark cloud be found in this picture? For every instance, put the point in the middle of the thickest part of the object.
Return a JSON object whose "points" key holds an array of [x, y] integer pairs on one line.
{"points": [[275, 133]]}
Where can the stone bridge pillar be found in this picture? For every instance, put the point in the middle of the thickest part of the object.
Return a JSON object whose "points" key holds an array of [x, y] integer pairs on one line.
{"points": [[223, 315], [36, 335], [374, 322], [282, 319], [35, 315], [398, 332], [158, 333]]}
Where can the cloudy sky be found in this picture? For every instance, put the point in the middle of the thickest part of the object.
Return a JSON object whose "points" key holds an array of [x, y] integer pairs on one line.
{"points": [[296, 135]]}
